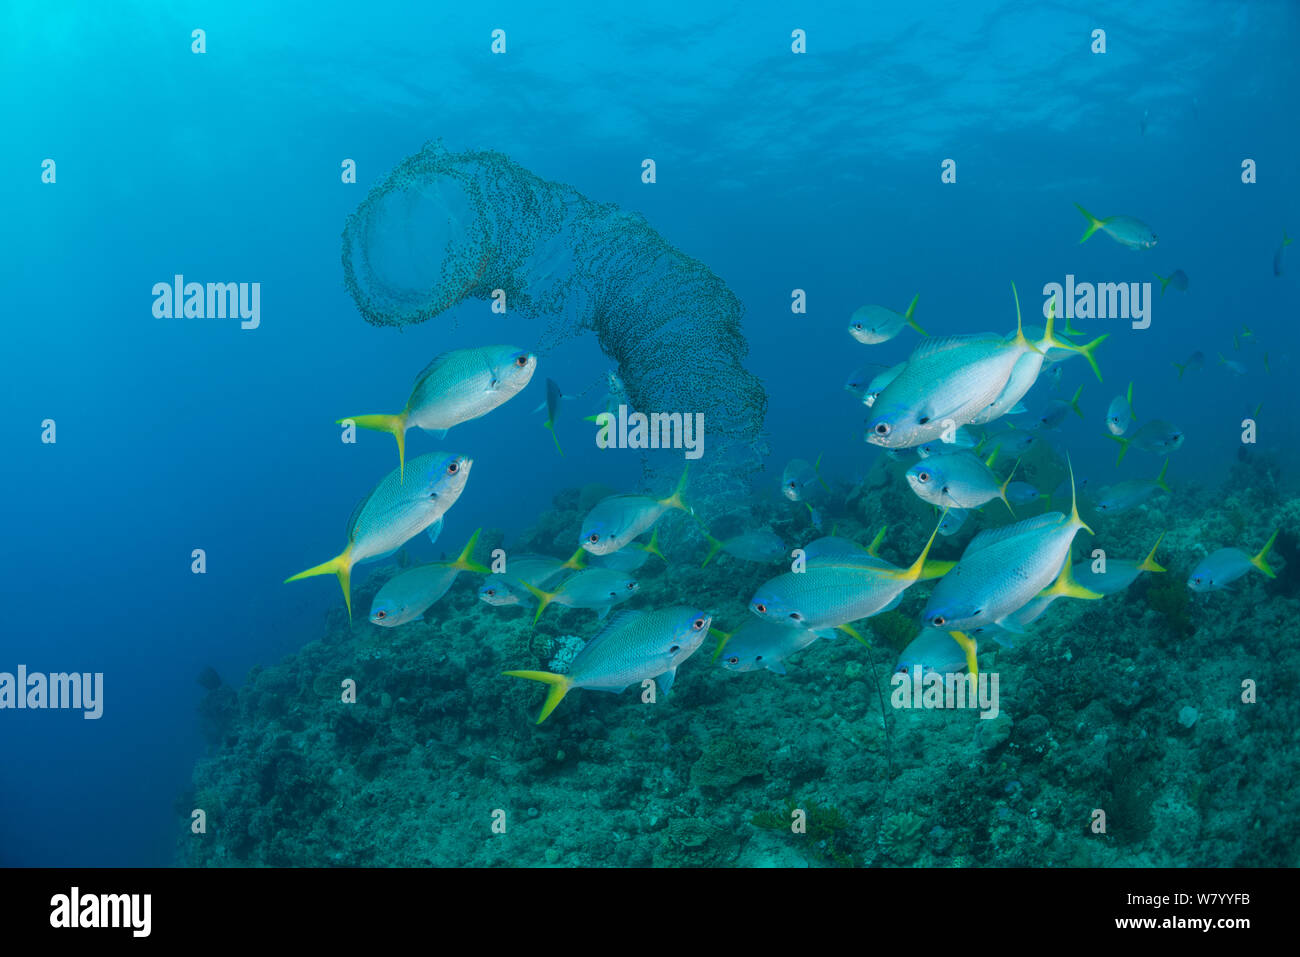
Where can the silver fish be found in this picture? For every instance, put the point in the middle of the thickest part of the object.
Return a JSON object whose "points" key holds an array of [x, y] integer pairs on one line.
{"points": [[632, 647]]}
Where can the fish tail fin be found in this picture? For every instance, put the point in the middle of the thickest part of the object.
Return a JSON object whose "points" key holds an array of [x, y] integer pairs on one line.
{"points": [[652, 546], [874, 548], [1163, 282], [724, 636], [557, 687], [465, 562], [917, 568], [1129, 397], [936, 569], [1074, 402], [907, 316], [1020, 339], [853, 633], [675, 500], [1002, 489], [1160, 479], [394, 425], [1094, 223], [577, 561], [544, 598], [550, 427], [1123, 446], [1260, 561], [1181, 367], [339, 566], [993, 456], [1087, 351], [1066, 587], [817, 470], [1074, 501], [1286, 240], [715, 546], [1149, 563], [967, 644]]}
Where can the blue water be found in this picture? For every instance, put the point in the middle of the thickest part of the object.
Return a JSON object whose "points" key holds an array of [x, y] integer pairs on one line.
{"points": [[779, 172]]}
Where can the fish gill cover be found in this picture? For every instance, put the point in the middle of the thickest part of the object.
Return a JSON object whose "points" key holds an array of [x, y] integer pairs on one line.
{"points": [[445, 227]]}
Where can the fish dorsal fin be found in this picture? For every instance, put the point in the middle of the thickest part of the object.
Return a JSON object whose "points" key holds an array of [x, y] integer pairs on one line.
{"points": [[991, 536], [434, 363], [616, 622], [932, 347]]}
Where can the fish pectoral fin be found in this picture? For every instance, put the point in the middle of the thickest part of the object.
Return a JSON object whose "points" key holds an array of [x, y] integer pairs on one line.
{"points": [[438, 433], [776, 666], [665, 680], [1010, 626]]}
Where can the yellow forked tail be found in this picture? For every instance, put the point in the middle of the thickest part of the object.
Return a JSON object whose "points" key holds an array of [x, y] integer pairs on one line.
{"points": [[1094, 223], [557, 687], [967, 644], [340, 566], [544, 598], [675, 500], [1149, 563], [1260, 561], [724, 636], [907, 316], [393, 424], [465, 561]]}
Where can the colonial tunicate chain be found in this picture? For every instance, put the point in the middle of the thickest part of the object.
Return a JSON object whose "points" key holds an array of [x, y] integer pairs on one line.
{"points": [[444, 227]]}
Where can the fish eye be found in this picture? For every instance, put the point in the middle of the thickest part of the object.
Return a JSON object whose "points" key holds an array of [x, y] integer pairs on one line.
{"points": [[593, 538], [733, 660], [923, 477], [697, 624], [857, 326], [938, 621], [453, 468], [760, 608], [882, 428], [631, 586], [521, 360], [381, 614], [490, 592]]}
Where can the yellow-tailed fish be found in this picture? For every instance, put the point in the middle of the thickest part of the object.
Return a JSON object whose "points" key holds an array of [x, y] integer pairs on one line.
{"points": [[1220, 569], [455, 387], [1120, 497], [873, 324], [1125, 230], [759, 644], [409, 594], [1112, 575], [948, 383], [619, 519], [830, 595], [632, 647], [394, 512], [1003, 569], [958, 480], [758, 545], [596, 588]]}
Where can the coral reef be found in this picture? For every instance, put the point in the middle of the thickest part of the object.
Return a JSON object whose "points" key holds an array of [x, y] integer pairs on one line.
{"points": [[439, 761]]}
